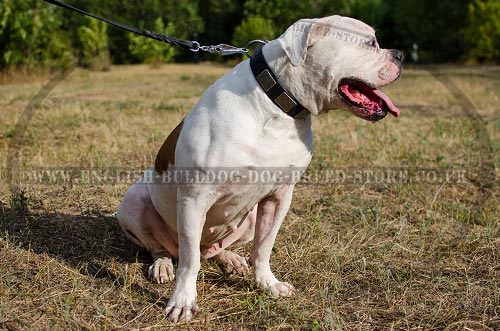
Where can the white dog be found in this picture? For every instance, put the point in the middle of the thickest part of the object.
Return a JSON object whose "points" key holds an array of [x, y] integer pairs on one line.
{"points": [[255, 117]]}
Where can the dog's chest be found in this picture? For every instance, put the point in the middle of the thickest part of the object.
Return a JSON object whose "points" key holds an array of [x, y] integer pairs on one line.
{"points": [[231, 211]]}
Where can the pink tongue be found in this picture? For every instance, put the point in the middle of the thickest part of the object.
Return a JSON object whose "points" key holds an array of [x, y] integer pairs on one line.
{"points": [[392, 109]]}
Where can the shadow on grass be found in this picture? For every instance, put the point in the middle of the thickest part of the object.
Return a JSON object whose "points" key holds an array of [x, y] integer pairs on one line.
{"points": [[88, 242]]}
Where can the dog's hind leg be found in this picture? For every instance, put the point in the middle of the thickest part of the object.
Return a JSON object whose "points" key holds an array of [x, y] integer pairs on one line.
{"points": [[232, 263], [162, 269], [145, 227]]}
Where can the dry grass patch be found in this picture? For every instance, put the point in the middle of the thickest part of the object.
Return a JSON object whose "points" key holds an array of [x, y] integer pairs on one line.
{"points": [[372, 256]]}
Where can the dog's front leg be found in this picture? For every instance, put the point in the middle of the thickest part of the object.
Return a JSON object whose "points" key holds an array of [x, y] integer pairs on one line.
{"points": [[270, 214], [191, 215]]}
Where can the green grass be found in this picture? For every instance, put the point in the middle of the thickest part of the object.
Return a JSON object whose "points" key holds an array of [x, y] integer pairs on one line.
{"points": [[373, 256]]}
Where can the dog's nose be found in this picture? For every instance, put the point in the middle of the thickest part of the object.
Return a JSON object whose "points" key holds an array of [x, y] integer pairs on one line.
{"points": [[398, 55]]}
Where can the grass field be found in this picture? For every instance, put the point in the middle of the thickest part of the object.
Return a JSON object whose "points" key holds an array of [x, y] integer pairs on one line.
{"points": [[362, 255]]}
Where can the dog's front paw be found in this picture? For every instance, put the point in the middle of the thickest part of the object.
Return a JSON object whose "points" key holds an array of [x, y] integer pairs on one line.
{"points": [[232, 263], [162, 270], [181, 308], [277, 288], [266, 281]]}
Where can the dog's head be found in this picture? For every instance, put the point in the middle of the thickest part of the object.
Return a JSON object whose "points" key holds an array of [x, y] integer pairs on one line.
{"points": [[336, 62]]}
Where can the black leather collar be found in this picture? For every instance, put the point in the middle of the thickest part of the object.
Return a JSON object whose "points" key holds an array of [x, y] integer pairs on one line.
{"points": [[267, 80]]}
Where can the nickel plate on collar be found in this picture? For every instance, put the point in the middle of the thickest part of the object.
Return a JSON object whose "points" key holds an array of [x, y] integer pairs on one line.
{"points": [[285, 102], [266, 80]]}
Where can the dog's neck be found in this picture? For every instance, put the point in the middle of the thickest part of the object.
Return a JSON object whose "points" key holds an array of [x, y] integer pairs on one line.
{"points": [[292, 79], [274, 90]]}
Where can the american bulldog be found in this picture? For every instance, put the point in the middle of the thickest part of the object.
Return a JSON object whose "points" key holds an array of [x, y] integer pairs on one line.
{"points": [[257, 116]]}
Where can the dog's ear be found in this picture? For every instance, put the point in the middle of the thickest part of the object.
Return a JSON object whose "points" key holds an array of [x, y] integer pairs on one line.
{"points": [[296, 40]]}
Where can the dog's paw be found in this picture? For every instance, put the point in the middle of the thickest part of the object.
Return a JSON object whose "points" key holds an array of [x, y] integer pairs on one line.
{"points": [[274, 287], [162, 270], [232, 263], [279, 289], [181, 308]]}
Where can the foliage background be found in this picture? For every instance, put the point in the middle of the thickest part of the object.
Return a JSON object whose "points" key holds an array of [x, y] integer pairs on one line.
{"points": [[36, 34]]}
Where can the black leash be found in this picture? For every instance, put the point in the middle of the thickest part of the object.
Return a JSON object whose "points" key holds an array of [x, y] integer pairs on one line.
{"points": [[194, 46]]}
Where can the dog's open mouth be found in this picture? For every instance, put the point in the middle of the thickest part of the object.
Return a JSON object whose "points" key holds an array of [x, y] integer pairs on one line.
{"points": [[367, 101]]}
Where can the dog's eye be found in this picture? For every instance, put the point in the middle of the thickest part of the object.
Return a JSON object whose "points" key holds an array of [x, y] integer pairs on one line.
{"points": [[373, 43]]}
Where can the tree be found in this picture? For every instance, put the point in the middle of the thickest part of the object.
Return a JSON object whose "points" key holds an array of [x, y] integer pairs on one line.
{"points": [[253, 28], [34, 33], [220, 18], [152, 51], [436, 26], [94, 40], [372, 12], [282, 12], [30, 35], [181, 15], [179, 18], [483, 30]]}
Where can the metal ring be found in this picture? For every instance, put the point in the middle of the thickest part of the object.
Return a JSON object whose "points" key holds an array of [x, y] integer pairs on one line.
{"points": [[257, 41], [197, 45]]}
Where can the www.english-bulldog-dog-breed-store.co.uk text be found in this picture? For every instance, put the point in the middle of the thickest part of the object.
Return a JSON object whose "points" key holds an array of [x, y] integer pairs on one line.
{"points": [[257, 116]]}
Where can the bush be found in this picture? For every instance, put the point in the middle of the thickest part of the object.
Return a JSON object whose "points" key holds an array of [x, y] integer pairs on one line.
{"points": [[253, 28], [483, 30], [31, 35], [94, 40], [150, 50]]}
